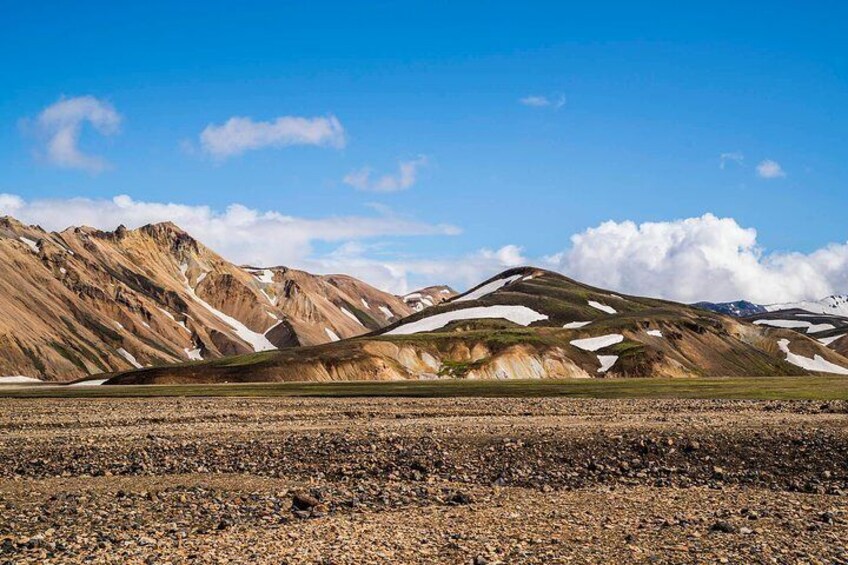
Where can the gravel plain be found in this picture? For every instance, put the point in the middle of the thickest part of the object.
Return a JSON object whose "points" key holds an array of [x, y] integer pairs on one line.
{"points": [[393, 480]]}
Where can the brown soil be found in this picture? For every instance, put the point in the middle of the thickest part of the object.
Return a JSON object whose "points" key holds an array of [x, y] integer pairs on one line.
{"points": [[231, 480]]}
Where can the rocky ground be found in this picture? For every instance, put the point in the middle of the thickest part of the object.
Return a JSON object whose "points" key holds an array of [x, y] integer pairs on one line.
{"points": [[331, 481]]}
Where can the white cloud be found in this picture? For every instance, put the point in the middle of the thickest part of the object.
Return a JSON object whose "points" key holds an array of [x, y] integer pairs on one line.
{"points": [[239, 233], [769, 169], [406, 176], [701, 258], [704, 258], [238, 134], [507, 256], [536, 101], [403, 274], [733, 157], [61, 124]]}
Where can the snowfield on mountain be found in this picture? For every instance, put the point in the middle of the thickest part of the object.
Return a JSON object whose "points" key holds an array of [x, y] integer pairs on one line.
{"points": [[84, 301], [528, 323]]}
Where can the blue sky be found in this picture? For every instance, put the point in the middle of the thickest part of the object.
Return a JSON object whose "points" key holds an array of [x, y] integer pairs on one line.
{"points": [[642, 102]]}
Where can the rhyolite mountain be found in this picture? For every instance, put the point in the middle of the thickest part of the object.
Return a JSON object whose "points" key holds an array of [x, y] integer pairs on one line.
{"points": [[84, 301], [531, 323]]}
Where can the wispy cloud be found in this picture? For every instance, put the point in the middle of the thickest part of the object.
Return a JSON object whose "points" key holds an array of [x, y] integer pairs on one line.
{"points": [[61, 125], [537, 101], [406, 176], [733, 157], [239, 134], [769, 169]]}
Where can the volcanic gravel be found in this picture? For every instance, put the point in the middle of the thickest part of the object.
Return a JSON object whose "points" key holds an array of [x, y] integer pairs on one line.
{"points": [[478, 481]]}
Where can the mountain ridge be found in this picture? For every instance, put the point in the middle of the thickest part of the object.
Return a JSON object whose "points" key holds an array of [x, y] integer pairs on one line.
{"points": [[85, 301], [531, 323]]}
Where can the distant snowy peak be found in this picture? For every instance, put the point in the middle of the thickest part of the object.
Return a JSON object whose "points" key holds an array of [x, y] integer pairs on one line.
{"points": [[836, 305], [737, 309]]}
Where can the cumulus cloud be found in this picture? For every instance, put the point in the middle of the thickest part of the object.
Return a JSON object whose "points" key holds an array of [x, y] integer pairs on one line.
{"points": [[239, 233], [769, 169], [61, 125], [406, 176], [238, 134], [703, 258], [535, 101], [404, 274], [733, 157], [700, 258]]}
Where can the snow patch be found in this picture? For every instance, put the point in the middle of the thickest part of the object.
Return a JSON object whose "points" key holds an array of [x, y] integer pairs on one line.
{"points": [[19, 380], [520, 315], [794, 324], [350, 315], [606, 361], [488, 288], [365, 303], [602, 307], [332, 335], [387, 313], [831, 339], [256, 340], [817, 364], [193, 354], [200, 278], [596, 343], [265, 276], [129, 357], [95, 382], [271, 299], [575, 325], [33, 245], [118, 325], [654, 333]]}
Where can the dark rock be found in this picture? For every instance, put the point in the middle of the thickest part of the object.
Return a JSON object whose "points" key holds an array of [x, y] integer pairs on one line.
{"points": [[304, 501], [723, 527], [460, 498]]}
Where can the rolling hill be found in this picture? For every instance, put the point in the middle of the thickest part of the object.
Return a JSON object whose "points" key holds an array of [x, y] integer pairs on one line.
{"points": [[531, 323]]}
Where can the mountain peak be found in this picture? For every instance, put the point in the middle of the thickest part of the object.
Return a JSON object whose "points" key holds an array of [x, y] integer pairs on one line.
{"points": [[163, 228]]}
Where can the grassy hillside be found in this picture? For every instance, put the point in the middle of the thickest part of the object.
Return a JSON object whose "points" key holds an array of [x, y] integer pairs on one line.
{"points": [[479, 336], [759, 388]]}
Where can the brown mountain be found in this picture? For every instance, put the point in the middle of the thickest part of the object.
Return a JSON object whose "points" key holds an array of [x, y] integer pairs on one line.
{"points": [[85, 301], [531, 323], [429, 296]]}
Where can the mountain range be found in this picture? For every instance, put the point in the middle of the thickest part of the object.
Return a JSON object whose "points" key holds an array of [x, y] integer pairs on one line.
{"points": [[826, 320], [531, 323], [84, 301], [154, 305]]}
